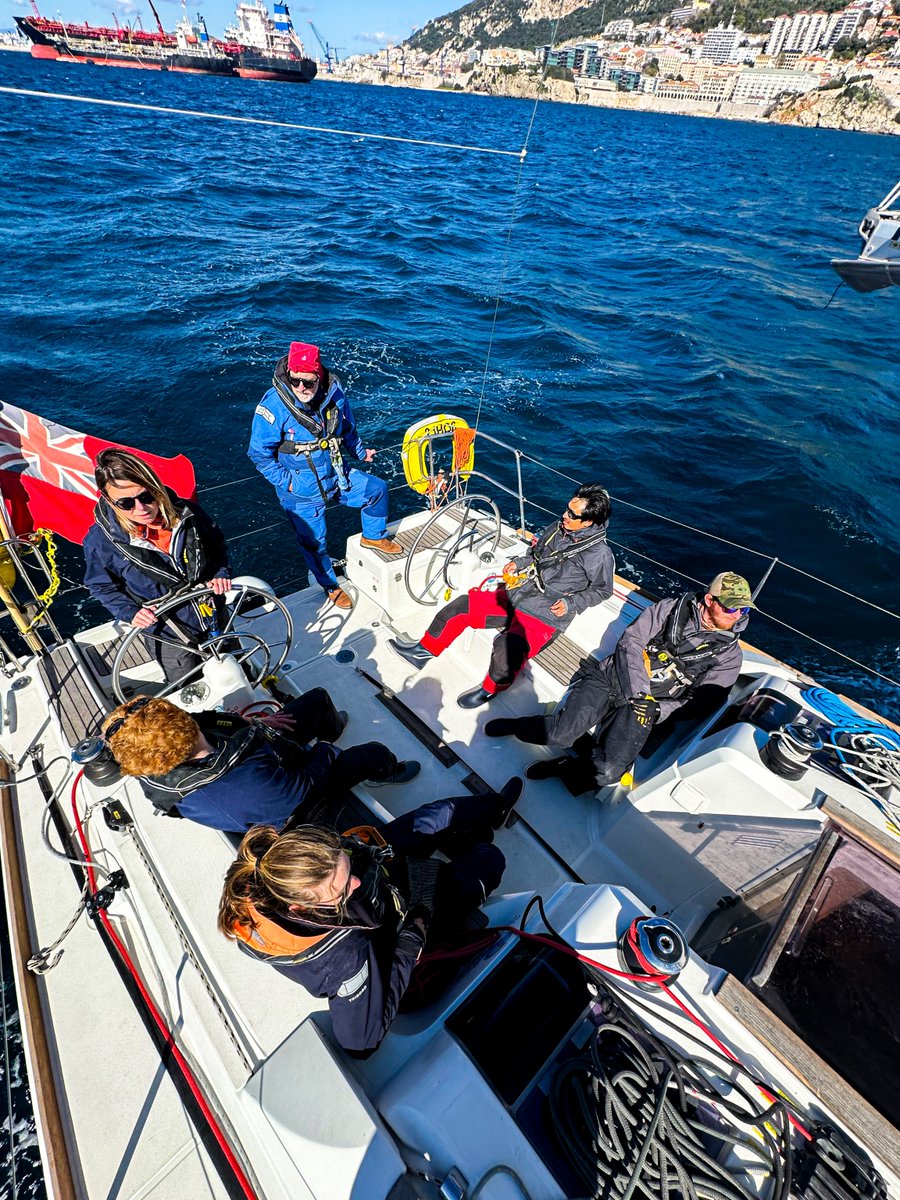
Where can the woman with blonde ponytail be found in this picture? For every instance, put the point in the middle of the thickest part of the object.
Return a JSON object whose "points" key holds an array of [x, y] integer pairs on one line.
{"points": [[347, 916]]}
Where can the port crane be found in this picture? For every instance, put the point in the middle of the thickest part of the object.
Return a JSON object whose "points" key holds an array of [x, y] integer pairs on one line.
{"points": [[330, 52]]}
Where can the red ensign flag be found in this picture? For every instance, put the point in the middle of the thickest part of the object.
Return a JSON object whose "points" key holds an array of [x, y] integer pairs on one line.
{"points": [[47, 473]]}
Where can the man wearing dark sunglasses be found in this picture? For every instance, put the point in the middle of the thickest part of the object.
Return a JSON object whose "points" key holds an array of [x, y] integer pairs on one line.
{"points": [[681, 656], [568, 569], [303, 430]]}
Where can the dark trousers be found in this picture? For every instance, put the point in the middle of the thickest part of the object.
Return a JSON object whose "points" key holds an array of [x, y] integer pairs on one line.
{"points": [[521, 636], [460, 828], [592, 698], [317, 718]]}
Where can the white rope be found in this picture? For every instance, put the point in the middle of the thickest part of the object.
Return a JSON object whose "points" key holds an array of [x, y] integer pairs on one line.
{"points": [[211, 116]]}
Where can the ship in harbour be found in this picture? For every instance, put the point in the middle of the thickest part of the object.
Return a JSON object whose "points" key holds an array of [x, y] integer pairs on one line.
{"points": [[267, 48], [257, 47], [189, 48]]}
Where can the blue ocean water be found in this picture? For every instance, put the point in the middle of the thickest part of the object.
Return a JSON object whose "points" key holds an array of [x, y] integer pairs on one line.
{"points": [[662, 325]]}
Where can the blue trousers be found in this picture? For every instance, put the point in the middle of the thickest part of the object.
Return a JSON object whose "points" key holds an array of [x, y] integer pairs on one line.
{"points": [[307, 516]]}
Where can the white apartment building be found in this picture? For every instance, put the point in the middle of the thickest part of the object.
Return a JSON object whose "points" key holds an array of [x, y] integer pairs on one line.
{"points": [[843, 25], [805, 32], [671, 62], [761, 87], [619, 29], [719, 44]]}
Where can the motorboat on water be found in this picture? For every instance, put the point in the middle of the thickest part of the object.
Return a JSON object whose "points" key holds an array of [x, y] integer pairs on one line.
{"points": [[687, 985], [878, 263]]}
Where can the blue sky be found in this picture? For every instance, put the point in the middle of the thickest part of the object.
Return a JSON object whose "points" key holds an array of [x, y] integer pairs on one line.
{"points": [[360, 26]]}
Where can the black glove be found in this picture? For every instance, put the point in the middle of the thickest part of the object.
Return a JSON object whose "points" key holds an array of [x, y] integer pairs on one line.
{"points": [[646, 709], [423, 877]]}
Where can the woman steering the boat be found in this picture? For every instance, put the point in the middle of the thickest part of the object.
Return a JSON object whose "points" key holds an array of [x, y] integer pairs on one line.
{"points": [[348, 916], [145, 542]]}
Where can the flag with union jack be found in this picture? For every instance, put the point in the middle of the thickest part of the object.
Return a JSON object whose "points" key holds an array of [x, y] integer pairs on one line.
{"points": [[47, 473]]}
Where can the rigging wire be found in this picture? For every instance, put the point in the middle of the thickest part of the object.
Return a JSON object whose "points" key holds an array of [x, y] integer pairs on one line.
{"points": [[357, 134], [509, 230]]}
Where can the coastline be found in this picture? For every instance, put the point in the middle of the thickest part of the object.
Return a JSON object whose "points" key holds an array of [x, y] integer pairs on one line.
{"points": [[825, 110]]}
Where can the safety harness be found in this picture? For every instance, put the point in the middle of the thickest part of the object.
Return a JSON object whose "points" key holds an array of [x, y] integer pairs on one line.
{"points": [[543, 557], [240, 739], [324, 430], [673, 663]]}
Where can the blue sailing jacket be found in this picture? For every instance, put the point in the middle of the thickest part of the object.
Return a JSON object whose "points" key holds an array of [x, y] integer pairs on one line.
{"points": [[126, 573], [280, 417]]}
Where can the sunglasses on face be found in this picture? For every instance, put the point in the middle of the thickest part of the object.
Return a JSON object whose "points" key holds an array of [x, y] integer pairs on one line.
{"points": [[730, 611], [304, 381], [127, 503], [133, 707], [573, 516]]}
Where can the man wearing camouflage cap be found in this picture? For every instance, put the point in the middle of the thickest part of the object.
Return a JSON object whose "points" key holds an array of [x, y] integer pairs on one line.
{"points": [[678, 650]]}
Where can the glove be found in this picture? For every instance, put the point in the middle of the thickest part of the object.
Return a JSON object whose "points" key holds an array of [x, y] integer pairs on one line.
{"points": [[423, 877], [646, 709]]}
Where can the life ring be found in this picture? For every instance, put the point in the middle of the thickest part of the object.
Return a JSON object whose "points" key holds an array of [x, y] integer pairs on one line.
{"points": [[414, 454]]}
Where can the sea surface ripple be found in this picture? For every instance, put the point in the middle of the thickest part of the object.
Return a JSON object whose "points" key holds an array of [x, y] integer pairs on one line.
{"points": [[662, 325]]}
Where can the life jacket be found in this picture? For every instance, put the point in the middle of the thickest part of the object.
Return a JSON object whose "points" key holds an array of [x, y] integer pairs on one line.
{"points": [[265, 938], [324, 430], [543, 556], [186, 562], [241, 738], [675, 663]]}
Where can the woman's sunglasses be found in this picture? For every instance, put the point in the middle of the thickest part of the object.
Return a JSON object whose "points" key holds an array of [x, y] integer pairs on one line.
{"points": [[127, 503]]}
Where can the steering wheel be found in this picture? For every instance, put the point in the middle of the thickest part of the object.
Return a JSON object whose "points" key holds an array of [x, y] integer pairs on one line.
{"points": [[245, 603], [475, 524]]}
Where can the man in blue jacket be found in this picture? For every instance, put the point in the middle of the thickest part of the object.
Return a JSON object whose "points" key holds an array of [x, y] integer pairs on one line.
{"points": [[303, 429], [221, 770]]}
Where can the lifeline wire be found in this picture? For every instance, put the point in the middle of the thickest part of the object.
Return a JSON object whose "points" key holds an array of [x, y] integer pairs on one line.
{"points": [[191, 112]]}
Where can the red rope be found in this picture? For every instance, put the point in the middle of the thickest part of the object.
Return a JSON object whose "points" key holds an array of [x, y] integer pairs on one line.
{"points": [[170, 1045], [651, 976]]}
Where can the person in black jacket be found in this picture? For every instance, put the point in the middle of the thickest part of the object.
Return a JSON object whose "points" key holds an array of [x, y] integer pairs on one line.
{"points": [[568, 569], [348, 916], [144, 543], [680, 657], [223, 770]]}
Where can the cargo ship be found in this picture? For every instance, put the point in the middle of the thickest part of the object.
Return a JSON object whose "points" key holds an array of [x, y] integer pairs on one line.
{"points": [[189, 48], [257, 47], [263, 48]]}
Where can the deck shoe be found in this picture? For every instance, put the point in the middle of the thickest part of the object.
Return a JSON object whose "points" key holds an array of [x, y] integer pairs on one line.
{"points": [[339, 598], [403, 772], [414, 652], [500, 727], [474, 698], [507, 798], [386, 545], [548, 768]]}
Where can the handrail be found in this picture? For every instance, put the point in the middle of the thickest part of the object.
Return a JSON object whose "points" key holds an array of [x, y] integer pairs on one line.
{"points": [[523, 500]]}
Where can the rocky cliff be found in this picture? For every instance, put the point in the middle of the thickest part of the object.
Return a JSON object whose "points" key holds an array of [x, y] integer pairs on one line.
{"points": [[862, 108]]}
